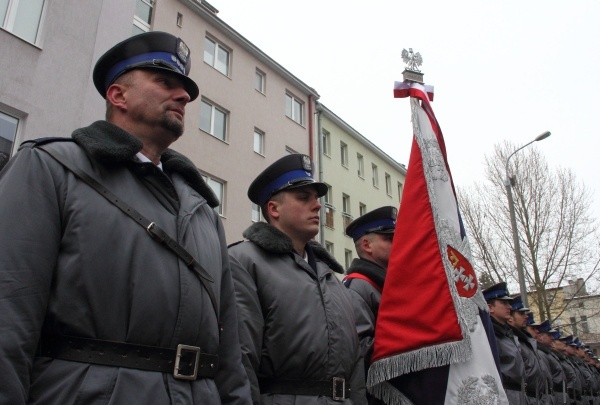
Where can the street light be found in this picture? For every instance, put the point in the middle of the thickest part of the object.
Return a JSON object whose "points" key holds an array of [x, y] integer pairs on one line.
{"points": [[513, 220]]}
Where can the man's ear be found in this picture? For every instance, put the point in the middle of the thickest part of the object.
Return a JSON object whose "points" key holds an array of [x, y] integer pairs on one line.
{"points": [[116, 94], [365, 244], [273, 209]]}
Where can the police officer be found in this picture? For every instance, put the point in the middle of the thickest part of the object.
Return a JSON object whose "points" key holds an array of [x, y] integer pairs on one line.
{"points": [[372, 234], [536, 375], [94, 307], [544, 338], [512, 366], [297, 324]]}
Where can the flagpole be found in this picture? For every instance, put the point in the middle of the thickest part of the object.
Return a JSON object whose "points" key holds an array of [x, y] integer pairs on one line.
{"points": [[513, 220]]}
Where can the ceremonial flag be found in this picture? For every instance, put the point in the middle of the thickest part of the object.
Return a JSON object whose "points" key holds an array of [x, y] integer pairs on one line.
{"points": [[433, 338]]}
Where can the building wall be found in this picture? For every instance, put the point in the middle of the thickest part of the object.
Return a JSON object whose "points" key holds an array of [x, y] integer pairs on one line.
{"points": [[344, 179], [48, 86], [234, 161]]}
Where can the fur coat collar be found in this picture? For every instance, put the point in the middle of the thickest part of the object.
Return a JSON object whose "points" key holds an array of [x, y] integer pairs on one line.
{"points": [[273, 240]]}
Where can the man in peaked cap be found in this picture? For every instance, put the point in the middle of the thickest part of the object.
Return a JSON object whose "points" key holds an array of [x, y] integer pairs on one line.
{"points": [[96, 307], [545, 338], [512, 367], [538, 378], [297, 325], [372, 234]]}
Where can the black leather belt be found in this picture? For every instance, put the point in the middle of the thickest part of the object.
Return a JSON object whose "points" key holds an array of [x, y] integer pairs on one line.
{"points": [[335, 388], [185, 362]]}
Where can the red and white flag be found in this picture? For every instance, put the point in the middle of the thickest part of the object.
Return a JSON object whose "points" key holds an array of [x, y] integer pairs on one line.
{"points": [[433, 339]]}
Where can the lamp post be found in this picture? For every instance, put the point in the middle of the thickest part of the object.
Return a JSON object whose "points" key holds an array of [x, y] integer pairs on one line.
{"points": [[513, 220]]}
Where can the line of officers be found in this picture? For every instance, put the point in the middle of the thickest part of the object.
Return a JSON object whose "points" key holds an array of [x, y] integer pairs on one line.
{"points": [[538, 364]]}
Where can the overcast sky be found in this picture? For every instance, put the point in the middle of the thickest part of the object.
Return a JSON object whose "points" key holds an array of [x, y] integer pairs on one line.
{"points": [[504, 70]]}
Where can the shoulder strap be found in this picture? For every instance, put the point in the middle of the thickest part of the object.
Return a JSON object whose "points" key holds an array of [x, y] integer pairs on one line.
{"points": [[153, 229], [362, 277]]}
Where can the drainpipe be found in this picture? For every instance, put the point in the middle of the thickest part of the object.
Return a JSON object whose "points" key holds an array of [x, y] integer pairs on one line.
{"points": [[320, 155]]}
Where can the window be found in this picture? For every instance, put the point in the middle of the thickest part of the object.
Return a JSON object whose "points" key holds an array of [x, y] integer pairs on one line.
{"points": [[573, 321], [329, 209], [22, 17], [179, 20], [143, 16], [346, 210], [584, 324], [344, 151], [218, 187], [361, 165], [259, 142], [375, 175], [388, 184], [347, 257], [213, 120], [256, 214], [293, 108], [216, 56], [362, 209], [400, 189], [329, 247], [259, 84], [8, 133], [326, 143]]}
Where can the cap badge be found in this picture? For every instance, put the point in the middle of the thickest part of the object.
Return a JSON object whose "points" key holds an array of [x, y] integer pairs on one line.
{"points": [[306, 164], [183, 52]]}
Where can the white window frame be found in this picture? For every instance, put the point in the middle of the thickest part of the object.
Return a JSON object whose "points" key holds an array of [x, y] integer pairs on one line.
{"points": [[362, 209], [294, 109], [218, 47], [14, 142], [330, 247], [220, 209], [388, 184], [256, 213], [260, 137], [347, 257], [375, 175], [138, 22], [10, 18], [260, 81], [360, 160], [326, 143], [344, 153], [213, 110]]}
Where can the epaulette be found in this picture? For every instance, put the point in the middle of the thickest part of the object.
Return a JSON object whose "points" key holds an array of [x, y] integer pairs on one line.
{"points": [[234, 243], [44, 141]]}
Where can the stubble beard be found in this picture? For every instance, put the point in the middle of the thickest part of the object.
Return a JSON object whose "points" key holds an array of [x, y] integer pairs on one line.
{"points": [[171, 124]]}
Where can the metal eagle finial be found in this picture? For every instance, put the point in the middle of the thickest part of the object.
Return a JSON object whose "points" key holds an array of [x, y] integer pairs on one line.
{"points": [[412, 60]]}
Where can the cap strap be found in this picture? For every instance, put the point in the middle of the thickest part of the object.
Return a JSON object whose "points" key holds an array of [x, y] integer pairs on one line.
{"points": [[165, 59]]}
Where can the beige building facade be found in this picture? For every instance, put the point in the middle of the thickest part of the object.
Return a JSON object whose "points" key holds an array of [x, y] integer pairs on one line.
{"points": [[360, 176]]}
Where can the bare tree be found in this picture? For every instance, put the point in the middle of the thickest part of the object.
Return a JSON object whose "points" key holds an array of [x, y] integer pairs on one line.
{"points": [[558, 236]]}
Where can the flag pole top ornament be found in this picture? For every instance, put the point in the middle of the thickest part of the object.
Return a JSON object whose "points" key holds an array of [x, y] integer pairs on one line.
{"points": [[413, 61]]}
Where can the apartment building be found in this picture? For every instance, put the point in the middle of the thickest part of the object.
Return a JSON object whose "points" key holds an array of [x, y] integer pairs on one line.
{"points": [[251, 111], [360, 177], [574, 311]]}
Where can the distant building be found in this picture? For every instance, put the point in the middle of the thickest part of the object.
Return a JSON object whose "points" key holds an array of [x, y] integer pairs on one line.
{"points": [[574, 311], [360, 176]]}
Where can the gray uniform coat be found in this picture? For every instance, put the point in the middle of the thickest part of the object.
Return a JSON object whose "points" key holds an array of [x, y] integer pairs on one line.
{"points": [[366, 299], [512, 367], [72, 264], [296, 322]]}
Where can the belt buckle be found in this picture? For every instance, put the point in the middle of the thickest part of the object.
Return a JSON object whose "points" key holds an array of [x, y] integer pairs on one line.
{"points": [[339, 388], [183, 350]]}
